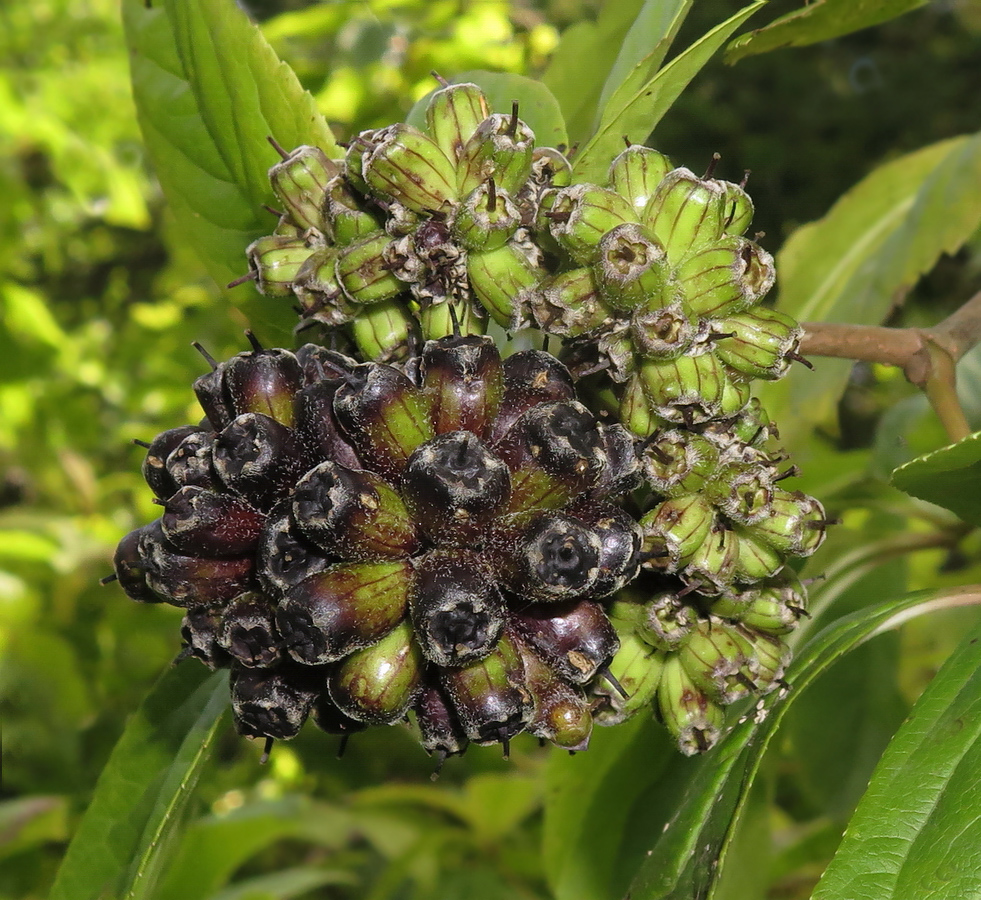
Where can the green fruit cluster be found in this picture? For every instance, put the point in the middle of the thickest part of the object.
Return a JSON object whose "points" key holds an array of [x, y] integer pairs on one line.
{"points": [[362, 542]]}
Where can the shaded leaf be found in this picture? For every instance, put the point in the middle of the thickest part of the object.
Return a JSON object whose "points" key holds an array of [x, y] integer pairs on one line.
{"points": [[820, 20], [284, 884], [949, 477], [863, 257], [126, 835], [686, 860], [209, 90], [214, 847], [640, 106], [917, 832], [27, 822], [537, 107], [600, 43]]}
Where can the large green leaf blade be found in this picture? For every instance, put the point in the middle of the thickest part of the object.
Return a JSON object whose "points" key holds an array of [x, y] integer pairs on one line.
{"points": [[209, 90], [600, 43], [639, 111], [949, 477], [917, 832], [818, 21], [863, 257], [124, 838], [688, 858]]}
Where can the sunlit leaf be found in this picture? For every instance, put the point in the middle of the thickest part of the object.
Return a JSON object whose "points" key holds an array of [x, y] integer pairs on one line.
{"points": [[209, 92], [817, 21], [127, 833], [863, 257], [949, 477], [917, 832], [636, 110]]}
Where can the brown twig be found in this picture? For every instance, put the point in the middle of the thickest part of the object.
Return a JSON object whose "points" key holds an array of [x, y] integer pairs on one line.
{"points": [[927, 356]]}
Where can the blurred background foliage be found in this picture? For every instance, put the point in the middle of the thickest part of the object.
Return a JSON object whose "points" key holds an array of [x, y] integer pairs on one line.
{"points": [[100, 301]]}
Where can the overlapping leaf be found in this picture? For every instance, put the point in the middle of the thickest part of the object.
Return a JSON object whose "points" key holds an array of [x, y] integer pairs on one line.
{"points": [[818, 21], [949, 477], [209, 91]]}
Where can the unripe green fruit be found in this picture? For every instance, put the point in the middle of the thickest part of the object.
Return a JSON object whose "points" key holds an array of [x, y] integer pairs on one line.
{"points": [[486, 219], [409, 167], [725, 277], [637, 172], [569, 304], [761, 342], [452, 116], [692, 717], [362, 271], [636, 667], [501, 148], [275, 260], [631, 266], [499, 277], [686, 213], [581, 214], [300, 183], [681, 525], [687, 390]]}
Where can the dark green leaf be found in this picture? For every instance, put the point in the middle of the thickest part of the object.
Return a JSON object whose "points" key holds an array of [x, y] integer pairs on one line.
{"points": [[209, 91], [949, 477], [862, 258], [820, 20], [917, 832], [637, 109], [284, 884], [600, 43], [536, 106], [27, 822], [126, 834], [687, 859]]}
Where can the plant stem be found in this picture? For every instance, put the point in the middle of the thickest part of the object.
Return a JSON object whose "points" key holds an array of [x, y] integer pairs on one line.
{"points": [[927, 356]]}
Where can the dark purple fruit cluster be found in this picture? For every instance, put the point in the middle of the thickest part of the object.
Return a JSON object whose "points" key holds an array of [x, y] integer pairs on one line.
{"points": [[358, 542]]}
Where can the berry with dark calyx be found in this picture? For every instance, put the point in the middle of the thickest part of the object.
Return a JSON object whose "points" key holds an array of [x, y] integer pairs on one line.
{"points": [[581, 214], [664, 621], [719, 661], [499, 276], [248, 632], [665, 332], [409, 167], [457, 610], [210, 391], [561, 712], [761, 343], [130, 567], [353, 514], [726, 277], [347, 217], [190, 581], [686, 213], [452, 116], [327, 717], [636, 668], [575, 638], [330, 614], [300, 181], [384, 415], [263, 381], [271, 703], [714, 562], [558, 559], [676, 462], [207, 523], [631, 266], [620, 539], [285, 556], [317, 428], [464, 378], [796, 526], [489, 696], [622, 473], [439, 730], [685, 390], [774, 607], [259, 459], [275, 260], [531, 377], [362, 270], [501, 148], [693, 718], [681, 525], [570, 304], [486, 219], [191, 462], [377, 684], [636, 172], [323, 364], [155, 472], [454, 486], [199, 635]]}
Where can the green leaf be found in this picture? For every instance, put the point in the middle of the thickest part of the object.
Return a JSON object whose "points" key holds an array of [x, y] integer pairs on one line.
{"points": [[285, 883], [209, 91], [214, 847], [126, 835], [863, 257], [687, 859], [818, 21], [538, 109], [27, 822], [638, 108], [949, 477], [917, 832], [600, 43], [643, 50]]}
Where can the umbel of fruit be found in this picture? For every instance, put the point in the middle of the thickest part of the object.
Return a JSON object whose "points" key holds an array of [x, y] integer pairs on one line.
{"points": [[359, 542]]}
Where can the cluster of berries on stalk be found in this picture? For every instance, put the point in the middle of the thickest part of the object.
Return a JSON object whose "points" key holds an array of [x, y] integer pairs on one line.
{"points": [[473, 541]]}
